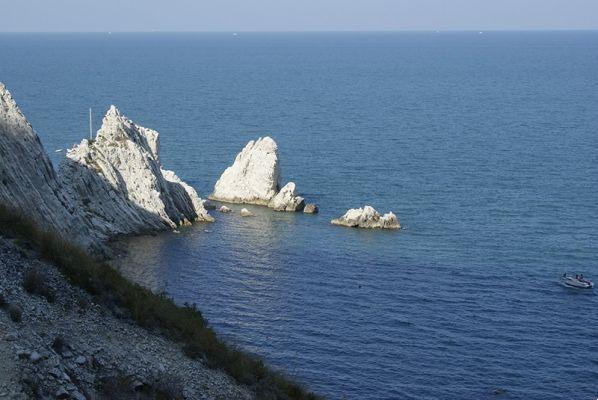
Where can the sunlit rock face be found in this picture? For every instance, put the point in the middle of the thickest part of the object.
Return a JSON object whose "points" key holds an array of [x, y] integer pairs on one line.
{"points": [[118, 181], [368, 217], [28, 182], [254, 178], [287, 199]]}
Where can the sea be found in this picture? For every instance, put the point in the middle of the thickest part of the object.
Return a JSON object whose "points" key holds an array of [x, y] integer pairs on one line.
{"points": [[485, 145]]}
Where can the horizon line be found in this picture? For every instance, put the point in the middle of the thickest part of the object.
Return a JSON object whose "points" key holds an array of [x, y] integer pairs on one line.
{"points": [[316, 31]]}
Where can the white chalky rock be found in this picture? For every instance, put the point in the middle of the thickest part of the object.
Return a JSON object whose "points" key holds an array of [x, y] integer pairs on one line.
{"points": [[118, 181], [246, 213], [253, 177], [287, 199], [367, 217], [224, 209], [28, 181]]}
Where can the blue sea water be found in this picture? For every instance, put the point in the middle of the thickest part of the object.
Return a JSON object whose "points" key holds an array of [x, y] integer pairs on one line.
{"points": [[484, 145]]}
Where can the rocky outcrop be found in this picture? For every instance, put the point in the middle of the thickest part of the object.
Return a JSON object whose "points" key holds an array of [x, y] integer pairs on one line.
{"points": [[28, 182], [105, 187], [254, 178], [287, 199], [224, 209], [311, 208], [118, 181], [367, 217], [246, 213]]}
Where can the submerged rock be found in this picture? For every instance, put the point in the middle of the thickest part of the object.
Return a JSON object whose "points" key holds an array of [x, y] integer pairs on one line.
{"points": [[246, 213], [367, 217], [224, 209], [287, 199], [118, 180], [311, 208], [254, 179]]}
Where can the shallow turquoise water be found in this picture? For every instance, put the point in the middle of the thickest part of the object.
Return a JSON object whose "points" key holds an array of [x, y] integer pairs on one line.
{"points": [[485, 146]]}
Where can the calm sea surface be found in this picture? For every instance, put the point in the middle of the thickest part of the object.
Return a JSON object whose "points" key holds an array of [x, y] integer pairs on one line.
{"points": [[484, 145]]}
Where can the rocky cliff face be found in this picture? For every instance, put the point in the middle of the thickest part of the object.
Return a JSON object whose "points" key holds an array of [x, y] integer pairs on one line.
{"points": [[28, 181], [254, 179], [110, 186], [118, 181]]}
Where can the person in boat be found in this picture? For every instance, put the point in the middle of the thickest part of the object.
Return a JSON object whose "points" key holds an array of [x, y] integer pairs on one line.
{"points": [[581, 278], [565, 275]]}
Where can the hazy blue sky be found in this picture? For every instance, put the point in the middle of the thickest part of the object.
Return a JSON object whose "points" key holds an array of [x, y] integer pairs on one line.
{"points": [[295, 15]]}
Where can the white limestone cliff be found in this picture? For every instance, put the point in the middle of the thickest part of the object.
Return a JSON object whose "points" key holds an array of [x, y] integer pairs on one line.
{"points": [[118, 181], [28, 181], [367, 217], [254, 178]]}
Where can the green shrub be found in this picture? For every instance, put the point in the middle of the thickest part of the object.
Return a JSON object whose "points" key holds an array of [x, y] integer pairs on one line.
{"points": [[35, 282], [184, 324], [15, 313], [59, 344]]}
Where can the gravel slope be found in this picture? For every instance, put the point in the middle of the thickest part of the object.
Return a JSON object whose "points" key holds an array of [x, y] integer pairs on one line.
{"points": [[93, 345]]}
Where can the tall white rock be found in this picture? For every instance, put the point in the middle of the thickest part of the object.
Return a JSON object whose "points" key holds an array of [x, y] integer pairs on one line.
{"points": [[254, 178], [367, 217], [28, 182], [118, 181]]}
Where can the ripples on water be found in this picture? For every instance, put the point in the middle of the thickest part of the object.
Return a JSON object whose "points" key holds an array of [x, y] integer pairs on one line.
{"points": [[484, 145]]}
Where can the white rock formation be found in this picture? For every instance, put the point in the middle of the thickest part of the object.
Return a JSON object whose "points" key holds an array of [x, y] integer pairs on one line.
{"points": [[187, 193], [310, 208], [112, 185], [118, 181], [367, 217], [254, 179], [28, 182], [224, 209], [246, 213], [287, 199]]}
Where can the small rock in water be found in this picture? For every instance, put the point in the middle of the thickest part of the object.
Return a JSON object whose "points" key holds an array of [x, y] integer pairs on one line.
{"points": [[368, 217], [224, 209], [287, 199], [311, 208], [208, 205], [246, 213]]}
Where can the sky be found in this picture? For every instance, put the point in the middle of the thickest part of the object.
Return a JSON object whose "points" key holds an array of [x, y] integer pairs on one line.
{"points": [[295, 15]]}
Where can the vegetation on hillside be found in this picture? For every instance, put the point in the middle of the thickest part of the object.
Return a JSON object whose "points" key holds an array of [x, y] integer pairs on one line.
{"points": [[183, 324]]}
